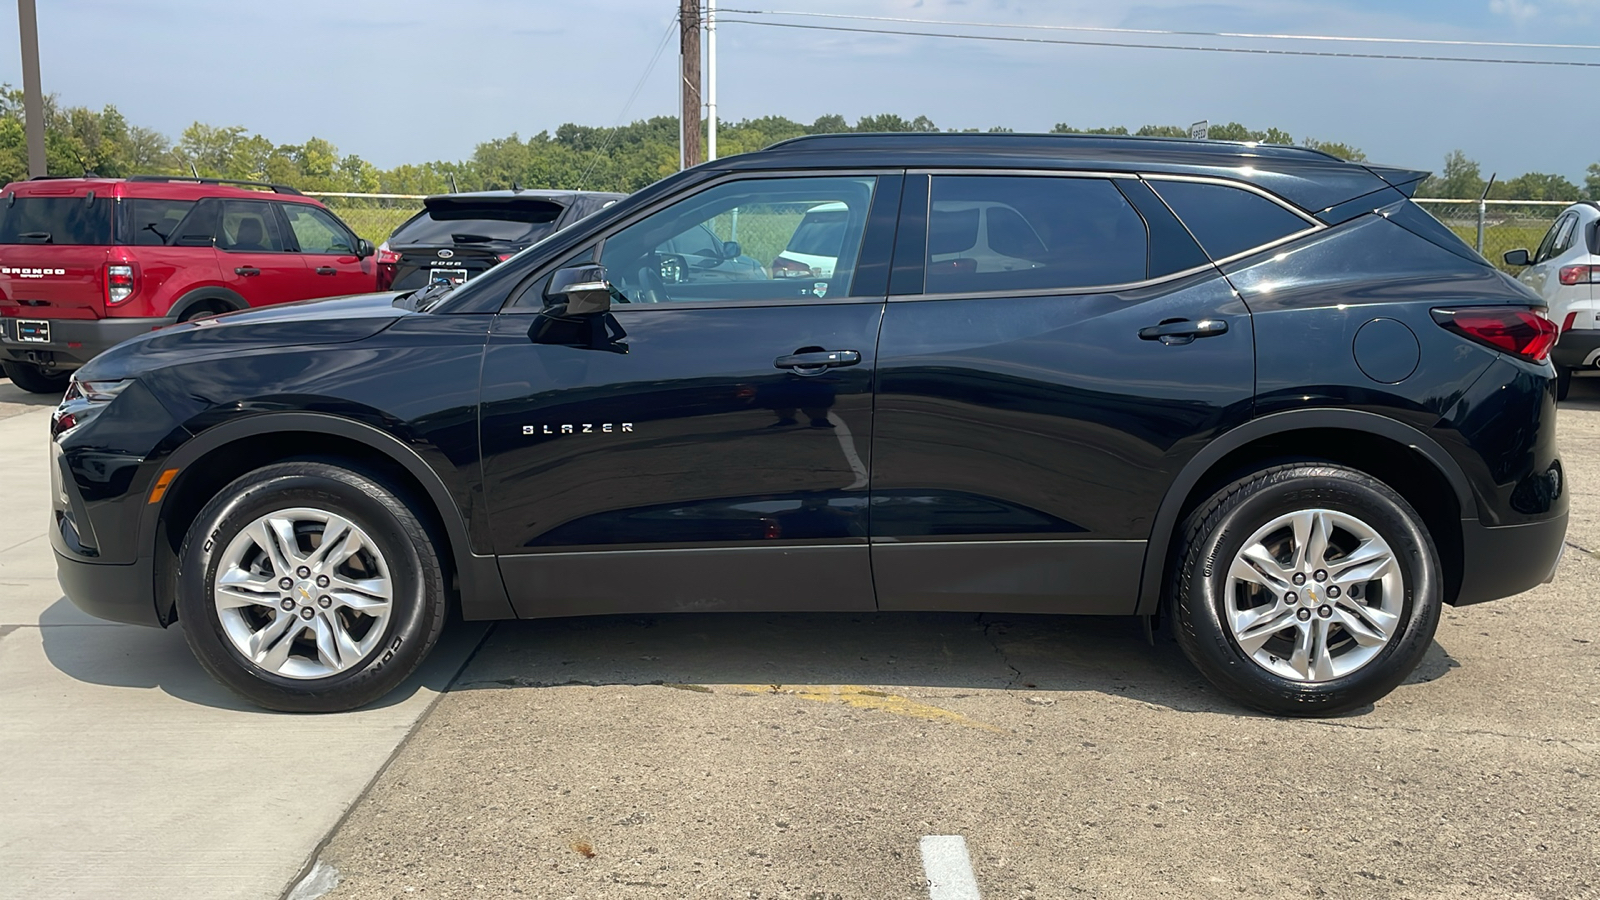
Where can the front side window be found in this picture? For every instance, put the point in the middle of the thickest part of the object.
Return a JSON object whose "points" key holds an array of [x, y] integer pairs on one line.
{"points": [[1563, 231], [154, 223], [248, 226], [1026, 233], [744, 240], [1227, 220], [316, 231]]}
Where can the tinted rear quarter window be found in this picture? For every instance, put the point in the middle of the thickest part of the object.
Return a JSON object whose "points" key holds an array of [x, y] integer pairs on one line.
{"points": [[153, 222], [1038, 233], [1227, 220], [55, 220]]}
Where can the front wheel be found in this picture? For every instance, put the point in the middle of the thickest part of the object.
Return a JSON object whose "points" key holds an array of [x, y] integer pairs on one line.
{"points": [[308, 587], [1306, 589], [34, 379]]}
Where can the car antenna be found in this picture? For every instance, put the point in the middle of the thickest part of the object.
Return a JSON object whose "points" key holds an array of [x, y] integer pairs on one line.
{"points": [[193, 171], [453, 188], [515, 188]]}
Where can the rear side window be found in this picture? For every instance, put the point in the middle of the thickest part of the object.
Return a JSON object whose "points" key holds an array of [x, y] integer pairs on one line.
{"points": [[1226, 220], [1027, 233], [248, 226], [55, 220], [154, 222]]}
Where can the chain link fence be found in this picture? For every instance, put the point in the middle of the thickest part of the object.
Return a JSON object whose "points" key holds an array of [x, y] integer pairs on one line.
{"points": [[372, 216], [1495, 226]]}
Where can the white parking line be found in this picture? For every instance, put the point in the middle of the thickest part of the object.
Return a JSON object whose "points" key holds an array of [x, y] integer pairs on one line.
{"points": [[949, 870]]}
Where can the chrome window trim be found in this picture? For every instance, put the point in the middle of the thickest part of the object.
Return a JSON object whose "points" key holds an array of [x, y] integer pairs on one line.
{"points": [[1240, 185]]}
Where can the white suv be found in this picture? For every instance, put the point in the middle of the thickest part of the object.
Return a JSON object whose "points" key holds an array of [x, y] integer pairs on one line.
{"points": [[1564, 271]]}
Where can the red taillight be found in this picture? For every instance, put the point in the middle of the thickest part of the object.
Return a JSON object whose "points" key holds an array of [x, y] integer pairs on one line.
{"points": [[1579, 274], [388, 261], [790, 268], [1572, 319], [122, 280], [1513, 329], [506, 256]]}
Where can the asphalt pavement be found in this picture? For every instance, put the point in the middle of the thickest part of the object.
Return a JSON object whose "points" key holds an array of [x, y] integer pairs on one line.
{"points": [[797, 756]]}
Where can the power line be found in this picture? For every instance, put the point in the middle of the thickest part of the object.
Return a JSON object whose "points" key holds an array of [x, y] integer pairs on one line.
{"points": [[606, 144], [1128, 45], [1169, 33]]}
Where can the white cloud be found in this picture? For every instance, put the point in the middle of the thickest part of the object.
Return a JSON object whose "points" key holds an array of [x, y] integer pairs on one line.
{"points": [[1519, 10]]}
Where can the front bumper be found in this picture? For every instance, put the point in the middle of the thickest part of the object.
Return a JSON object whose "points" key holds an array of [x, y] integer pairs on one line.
{"points": [[1577, 349], [73, 342], [1499, 562], [107, 591]]}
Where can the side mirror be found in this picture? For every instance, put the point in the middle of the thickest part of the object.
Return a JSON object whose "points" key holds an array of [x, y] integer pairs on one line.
{"points": [[584, 290], [364, 248], [1516, 257], [731, 250]]}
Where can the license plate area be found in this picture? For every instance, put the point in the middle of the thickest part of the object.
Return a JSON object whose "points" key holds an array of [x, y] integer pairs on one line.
{"points": [[447, 276], [33, 331]]}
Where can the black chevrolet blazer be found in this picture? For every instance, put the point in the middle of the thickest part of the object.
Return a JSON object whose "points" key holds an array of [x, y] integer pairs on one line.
{"points": [[1252, 390]]}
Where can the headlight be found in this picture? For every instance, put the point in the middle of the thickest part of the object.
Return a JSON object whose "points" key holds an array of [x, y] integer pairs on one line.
{"points": [[83, 401]]}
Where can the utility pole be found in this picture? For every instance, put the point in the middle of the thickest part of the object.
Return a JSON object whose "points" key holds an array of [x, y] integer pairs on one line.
{"points": [[32, 96], [711, 79], [689, 48]]}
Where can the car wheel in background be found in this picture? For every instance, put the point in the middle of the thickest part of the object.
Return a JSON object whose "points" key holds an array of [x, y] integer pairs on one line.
{"points": [[34, 379], [1306, 589], [309, 587]]}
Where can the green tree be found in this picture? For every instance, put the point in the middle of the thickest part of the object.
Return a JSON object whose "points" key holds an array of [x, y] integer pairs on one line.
{"points": [[1591, 184], [1334, 148], [1461, 179], [1169, 131]]}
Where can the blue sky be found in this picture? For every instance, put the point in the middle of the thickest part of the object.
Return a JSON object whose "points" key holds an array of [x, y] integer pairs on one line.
{"points": [[405, 81]]}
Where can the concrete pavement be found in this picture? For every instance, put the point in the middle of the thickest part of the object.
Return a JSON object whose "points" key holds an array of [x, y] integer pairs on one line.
{"points": [[127, 772]]}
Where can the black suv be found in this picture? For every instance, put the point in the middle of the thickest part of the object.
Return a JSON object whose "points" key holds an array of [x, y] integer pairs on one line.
{"points": [[1252, 390]]}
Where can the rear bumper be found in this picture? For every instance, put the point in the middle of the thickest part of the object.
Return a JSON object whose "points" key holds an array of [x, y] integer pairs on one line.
{"points": [[1510, 559], [1577, 349], [106, 591], [73, 342]]}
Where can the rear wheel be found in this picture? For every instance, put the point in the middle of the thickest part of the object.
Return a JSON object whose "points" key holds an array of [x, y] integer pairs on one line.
{"points": [[308, 587], [1307, 589], [34, 379]]}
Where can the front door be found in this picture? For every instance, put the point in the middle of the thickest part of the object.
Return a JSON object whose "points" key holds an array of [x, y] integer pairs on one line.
{"points": [[705, 446], [1043, 376], [327, 249]]}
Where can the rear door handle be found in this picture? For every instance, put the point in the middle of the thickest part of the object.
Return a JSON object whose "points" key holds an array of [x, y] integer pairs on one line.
{"points": [[1183, 331], [247, 271], [817, 360], [327, 270]]}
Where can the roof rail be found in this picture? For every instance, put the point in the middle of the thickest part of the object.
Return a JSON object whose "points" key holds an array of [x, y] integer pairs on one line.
{"points": [[54, 177], [275, 188], [1208, 146]]}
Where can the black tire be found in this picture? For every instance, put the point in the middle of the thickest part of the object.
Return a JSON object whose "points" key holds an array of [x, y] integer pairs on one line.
{"points": [[1218, 530], [1563, 382], [35, 380], [418, 605]]}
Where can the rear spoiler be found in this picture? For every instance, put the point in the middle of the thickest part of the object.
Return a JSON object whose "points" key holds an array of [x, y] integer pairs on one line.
{"points": [[1403, 180]]}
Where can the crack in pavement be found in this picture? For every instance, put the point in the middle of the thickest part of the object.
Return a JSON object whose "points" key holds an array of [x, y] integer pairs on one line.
{"points": [[1016, 673]]}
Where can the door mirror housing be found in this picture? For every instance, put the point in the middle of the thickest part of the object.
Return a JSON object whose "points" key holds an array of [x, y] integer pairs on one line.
{"points": [[364, 248], [583, 289], [731, 250], [1517, 258]]}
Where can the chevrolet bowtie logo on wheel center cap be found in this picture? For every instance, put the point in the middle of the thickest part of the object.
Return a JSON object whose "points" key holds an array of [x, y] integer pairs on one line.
{"points": [[304, 590], [1311, 593]]}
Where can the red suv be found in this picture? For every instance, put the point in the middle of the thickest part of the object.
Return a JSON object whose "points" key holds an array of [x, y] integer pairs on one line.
{"points": [[88, 262]]}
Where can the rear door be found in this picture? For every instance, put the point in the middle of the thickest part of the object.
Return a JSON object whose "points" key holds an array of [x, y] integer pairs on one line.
{"points": [[254, 256], [327, 251], [54, 247], [1030, 416]]}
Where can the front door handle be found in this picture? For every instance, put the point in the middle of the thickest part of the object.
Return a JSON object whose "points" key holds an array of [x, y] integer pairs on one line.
{"points": [[327, 270], [1183, 331], [247, 271], [815, 361]]}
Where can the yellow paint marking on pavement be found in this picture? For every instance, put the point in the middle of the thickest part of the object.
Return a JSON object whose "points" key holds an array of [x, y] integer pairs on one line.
{"points": [[866, 698]]}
